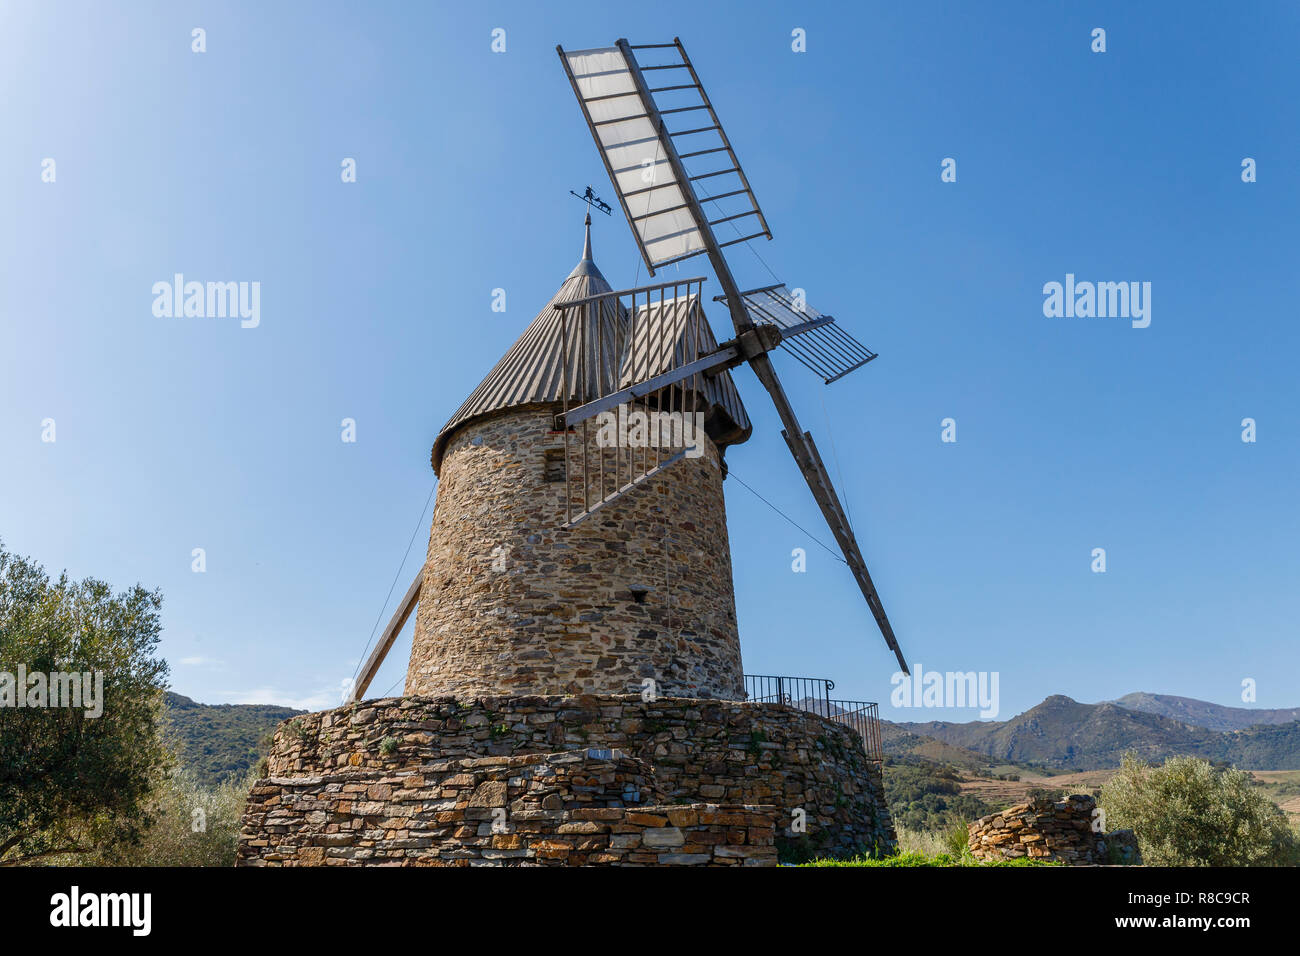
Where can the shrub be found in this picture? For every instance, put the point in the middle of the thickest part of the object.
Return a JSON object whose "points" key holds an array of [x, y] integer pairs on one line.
{"points": [[957, 839], [1190, 813], [190, 825]]}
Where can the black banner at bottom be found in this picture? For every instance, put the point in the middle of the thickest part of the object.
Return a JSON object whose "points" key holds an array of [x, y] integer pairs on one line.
{"points": [[333, 905]]}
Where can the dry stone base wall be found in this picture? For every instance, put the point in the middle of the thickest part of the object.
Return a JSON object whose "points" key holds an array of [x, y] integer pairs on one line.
{"points": [[1046, 830], [569, 809], [742, 758]]}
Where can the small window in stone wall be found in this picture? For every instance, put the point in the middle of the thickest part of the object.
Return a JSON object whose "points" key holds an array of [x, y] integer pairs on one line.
{"points": [[554, 464]]}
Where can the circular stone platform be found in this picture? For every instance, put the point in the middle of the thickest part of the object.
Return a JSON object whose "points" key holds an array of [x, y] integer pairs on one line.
{"points": [[331, 794]]}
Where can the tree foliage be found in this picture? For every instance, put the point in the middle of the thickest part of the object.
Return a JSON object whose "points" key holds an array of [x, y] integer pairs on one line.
{"points": [[189, 825], [70, 782], [1191, 813], [926, 797]]}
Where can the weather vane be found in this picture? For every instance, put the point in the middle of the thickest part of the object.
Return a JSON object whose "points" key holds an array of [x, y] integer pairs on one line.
{"points": [[591, 199]]}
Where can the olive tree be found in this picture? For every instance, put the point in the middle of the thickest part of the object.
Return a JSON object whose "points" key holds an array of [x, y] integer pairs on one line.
{"points": [[1190, 813], [73, 781]]}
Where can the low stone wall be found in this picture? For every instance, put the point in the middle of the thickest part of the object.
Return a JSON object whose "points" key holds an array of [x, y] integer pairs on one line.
{"points": [[566, 809], [1047, 830], [728, 753]]}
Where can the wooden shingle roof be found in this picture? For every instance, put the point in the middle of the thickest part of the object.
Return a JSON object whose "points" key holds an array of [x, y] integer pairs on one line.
{"points": [[533, 371]]}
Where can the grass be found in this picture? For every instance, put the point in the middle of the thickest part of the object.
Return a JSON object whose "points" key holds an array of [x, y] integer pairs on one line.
{"points": [[921, 859], [923, 842], [929, 848]]}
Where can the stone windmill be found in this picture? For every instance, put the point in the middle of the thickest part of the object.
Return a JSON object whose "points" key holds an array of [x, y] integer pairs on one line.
{"points": [[517, 600], [575, 692], [579, 541]]}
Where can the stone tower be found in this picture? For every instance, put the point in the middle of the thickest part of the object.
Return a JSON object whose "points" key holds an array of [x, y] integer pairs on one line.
{"points": [[513, 604], [524, 701]]}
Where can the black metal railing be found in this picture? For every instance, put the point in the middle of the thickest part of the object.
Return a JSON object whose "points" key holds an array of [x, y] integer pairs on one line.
{"points": [[765, 689], [813, 694], [864, 717]]}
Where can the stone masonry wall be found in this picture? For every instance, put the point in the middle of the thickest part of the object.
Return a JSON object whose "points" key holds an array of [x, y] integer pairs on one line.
{"points": [[564, 809], [511, 603], [701, 751], [1047, 830]]}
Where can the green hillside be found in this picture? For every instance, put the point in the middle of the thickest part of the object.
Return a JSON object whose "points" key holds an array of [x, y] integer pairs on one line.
{"points": [[926, 796], [910, 747], [216, 741]]}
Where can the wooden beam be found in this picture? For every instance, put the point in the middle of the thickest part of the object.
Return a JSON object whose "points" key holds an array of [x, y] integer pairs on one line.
{"points": [[615, 495], [386, 639], [727, 355]]}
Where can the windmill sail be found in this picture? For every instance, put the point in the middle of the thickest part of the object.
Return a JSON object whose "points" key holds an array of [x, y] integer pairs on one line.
{"points": [[646, 159], [812, 338]]}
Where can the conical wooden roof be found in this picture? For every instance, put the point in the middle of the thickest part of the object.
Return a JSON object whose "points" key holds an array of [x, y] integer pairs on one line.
{"points": [[534, 370], [669, 333]]}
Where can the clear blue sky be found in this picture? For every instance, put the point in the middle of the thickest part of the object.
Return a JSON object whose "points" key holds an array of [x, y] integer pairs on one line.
{"points": [[1073, 434]]}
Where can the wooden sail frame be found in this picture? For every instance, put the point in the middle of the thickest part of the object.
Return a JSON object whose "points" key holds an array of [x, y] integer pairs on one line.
{"points": [[800, 442]]}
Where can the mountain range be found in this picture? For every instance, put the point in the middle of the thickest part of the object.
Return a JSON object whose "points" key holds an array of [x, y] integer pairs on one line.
{"points": [[1198, 713], [1064, 734]]}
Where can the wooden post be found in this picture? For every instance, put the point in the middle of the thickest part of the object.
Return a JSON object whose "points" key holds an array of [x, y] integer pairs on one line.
{"points": [[386, 639]]}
